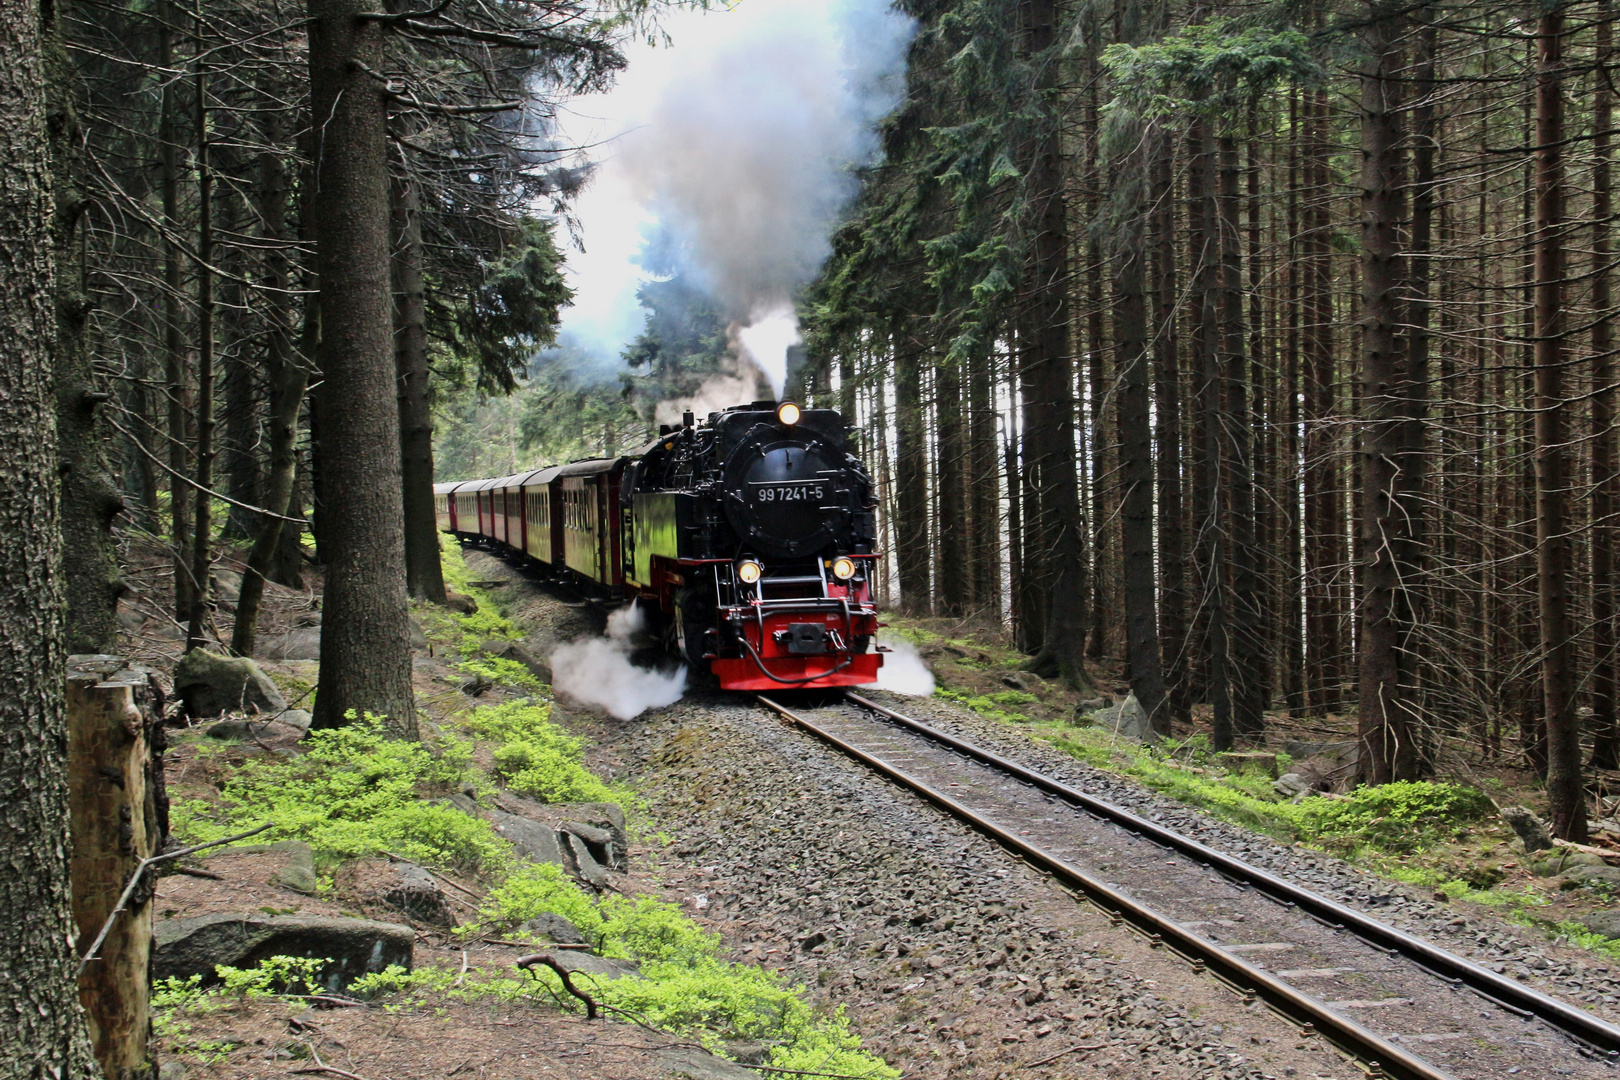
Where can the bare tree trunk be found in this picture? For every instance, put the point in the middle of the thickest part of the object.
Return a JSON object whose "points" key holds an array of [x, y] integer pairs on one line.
{"points": [[365, 631], [201, 556], [43, 1034], [1605, 480], [174, 339], [424, 577], [984, 487], [91, 582], [1135, 432], [1385, 723], [1050, 372], [1213, 540], [1247, 652], [910, 479], [1293, 623], [1323, 523], [1566, 796], [956, 572], [289, 377], [1167, 405]]}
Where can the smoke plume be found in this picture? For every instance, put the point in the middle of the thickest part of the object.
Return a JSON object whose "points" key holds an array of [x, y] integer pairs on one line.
{"points": [[739, 141], [598, 671]]}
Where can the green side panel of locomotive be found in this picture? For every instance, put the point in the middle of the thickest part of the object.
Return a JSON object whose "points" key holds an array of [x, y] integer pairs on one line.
{"points": [[658, 520]]}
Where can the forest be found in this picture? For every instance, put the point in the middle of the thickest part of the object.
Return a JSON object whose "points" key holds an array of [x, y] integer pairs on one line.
{"points": [[1265, 349]]}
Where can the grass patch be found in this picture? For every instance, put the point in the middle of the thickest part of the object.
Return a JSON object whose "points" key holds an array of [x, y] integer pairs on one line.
{"points": [[990, 706], [1398, 818]]}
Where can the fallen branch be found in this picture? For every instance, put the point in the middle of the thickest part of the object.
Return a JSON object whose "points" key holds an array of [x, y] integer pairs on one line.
{"points": [[527, 963], [532, 944], [1588, 849], [140, 869], [197, 871], [329, 1069], [1063, 1053]]}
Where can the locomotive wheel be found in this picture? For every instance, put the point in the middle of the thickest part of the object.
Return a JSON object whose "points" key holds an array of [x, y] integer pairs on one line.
{"points": [[694, 613]]}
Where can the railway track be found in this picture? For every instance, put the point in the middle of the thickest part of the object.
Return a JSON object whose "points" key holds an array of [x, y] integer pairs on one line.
{"points": [[1374, 991]]}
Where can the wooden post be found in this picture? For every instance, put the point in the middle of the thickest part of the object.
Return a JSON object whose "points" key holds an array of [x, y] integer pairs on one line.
{"points": [[113, 800]]}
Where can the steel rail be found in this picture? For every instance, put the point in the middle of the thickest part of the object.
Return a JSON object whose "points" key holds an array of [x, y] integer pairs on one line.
{"points": [[1504, 992], [1381, 1057]]}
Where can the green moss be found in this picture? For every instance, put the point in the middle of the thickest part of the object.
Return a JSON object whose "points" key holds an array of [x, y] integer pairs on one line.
{"points": [[985, 706], [355, 791]]}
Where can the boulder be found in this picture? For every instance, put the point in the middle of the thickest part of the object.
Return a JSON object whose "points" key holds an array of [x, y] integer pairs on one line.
{"points": [[534, 841], [612, 852], [511, 650], [417, 893], [1560, 860], [1299, 749], [418, 635], [299, 872], [296, 718], [580, 962], [457, 602], [583, 864], [687, 1064], [555, 927], [211, 684], [598, 841], [1128, 718], [1027, 681], [1604, 876], [297, 644], [1532, 831], [353, 947], [1290, 785], [130, 617], [1606, 923], [227, 585]]}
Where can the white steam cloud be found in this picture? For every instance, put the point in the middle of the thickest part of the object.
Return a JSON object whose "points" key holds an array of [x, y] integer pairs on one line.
{"points": [[738, 143], [598, 671], [903, 670]]}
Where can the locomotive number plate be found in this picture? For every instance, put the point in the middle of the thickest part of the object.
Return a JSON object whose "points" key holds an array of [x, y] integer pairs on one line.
{"points": [[800, 492]]}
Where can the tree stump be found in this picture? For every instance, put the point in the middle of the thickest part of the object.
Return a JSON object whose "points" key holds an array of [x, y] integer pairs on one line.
{"points": [[116, 803]]}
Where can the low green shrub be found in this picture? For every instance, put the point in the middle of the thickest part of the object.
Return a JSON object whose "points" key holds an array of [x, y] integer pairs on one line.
{"points": [[685, 987], [355, 791], [535, 757]]}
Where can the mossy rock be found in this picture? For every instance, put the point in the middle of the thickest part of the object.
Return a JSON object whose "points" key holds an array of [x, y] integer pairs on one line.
{"points": [[211, 684]]}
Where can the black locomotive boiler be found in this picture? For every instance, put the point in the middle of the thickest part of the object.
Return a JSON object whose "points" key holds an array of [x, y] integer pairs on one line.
{"points": [[750, 538]]}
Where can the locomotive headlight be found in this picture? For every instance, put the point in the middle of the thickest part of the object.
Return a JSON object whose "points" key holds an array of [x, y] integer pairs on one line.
{"points": [[843, 568], [749, 571], [788, 413]]}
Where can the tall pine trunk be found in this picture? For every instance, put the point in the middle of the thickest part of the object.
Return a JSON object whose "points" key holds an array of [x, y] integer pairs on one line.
{"points": [[956, 574], [424, 577], [91, 582], [43, 1034], [1566, 797], [365, 629], [1385, 723], [1049, 373], [1605, 480], [289, 376], [1167, 432], [912, 553], [174, 321], [1135, 431]]}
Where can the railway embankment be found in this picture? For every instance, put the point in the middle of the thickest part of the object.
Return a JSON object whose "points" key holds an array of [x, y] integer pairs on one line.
{"points": [[486, 901]]}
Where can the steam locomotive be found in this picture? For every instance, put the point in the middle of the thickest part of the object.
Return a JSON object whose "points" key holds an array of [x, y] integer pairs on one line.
{"points": [[750, 539]]}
